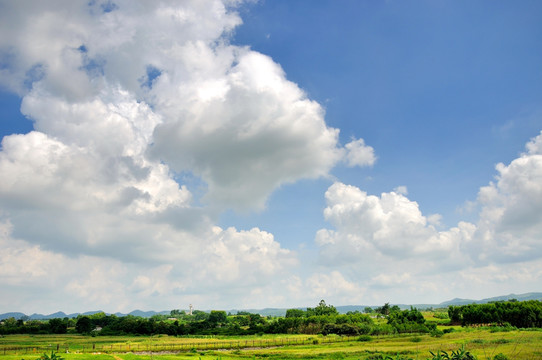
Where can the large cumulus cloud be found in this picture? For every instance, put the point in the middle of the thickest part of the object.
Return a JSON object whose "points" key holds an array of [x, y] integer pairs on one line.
{"points": [[510, 225], [385, 242], [125, 98], [251, 131]]}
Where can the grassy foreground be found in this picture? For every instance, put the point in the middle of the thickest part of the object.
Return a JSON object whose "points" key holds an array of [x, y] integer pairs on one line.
{"points": [[485, 344]]}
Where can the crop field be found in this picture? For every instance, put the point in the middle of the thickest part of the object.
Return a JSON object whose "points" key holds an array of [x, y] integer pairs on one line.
{"points": [[483, 343]]}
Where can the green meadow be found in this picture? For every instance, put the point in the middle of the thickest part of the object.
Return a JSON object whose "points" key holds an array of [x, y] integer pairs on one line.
{"points": [[484, 343]]}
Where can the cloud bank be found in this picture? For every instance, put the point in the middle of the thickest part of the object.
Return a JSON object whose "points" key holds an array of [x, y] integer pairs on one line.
{"points": [[127, 100], [385, 241]]}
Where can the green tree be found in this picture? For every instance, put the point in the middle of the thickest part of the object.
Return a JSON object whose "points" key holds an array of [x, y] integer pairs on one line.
{"points": [[368, 310], [58, 326], [384, 310], [200, 315], [218, 317], [295, 313], [322, 309], [83, 325]]}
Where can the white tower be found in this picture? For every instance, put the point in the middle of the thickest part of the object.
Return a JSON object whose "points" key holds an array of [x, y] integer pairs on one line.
{"points": [[191, 307]]}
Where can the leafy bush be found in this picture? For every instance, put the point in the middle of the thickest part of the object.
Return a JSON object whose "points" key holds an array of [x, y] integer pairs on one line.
{"points": [[501, 341], [53, 356], [364, 338], [505, 328], [383, 329], [441, 315], [500, 356], [459, 354]]}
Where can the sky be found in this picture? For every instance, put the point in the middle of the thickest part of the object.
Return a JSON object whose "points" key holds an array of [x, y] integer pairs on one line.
{"points": [[239, 154]]}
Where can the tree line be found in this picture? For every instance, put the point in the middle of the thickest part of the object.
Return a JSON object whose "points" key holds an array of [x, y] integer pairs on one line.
{"points": [[521, 314], [322, 319]]}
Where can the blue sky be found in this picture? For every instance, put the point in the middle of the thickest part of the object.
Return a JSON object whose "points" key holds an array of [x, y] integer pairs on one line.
{"points": [[268, 154], [442, 90]]}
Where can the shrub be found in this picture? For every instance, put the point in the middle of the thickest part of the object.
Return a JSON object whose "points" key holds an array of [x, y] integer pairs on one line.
{"points": [[364, 338], [53, 356], [500, 356], [384, 329], [441, 315]]}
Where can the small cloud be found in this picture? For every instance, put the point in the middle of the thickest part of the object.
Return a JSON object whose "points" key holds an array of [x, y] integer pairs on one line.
{"points": [[359, 154], [401, 190], [434, 219]]}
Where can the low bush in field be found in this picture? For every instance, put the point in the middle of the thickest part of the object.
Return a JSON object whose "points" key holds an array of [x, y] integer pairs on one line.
{"points": [[383, 329], [364, 338]]}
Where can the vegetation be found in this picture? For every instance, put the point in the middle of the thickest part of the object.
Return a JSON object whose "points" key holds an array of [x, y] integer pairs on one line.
{"points": [[317, 333], [521, 314], [513, 345]]}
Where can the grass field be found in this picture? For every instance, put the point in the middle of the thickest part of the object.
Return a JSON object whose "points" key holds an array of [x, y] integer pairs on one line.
{"points": [[485, 344]]}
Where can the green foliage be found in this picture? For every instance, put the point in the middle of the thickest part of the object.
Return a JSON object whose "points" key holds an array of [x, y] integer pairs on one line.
{"points": [[53, 356], [459, 354], [322, 310], [383, 329], [295, 313], [342, 329], [83, 325], [384, 310], [504, 328], [409, 321], [218, 317], [462, 354], [58, 326], [521, 314], [441, 315], [501, 341], [500, 356], [364, 338]]}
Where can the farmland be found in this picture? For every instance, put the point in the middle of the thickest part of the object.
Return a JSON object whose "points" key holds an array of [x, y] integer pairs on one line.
{"points": [[315, 333], [484, 343]]}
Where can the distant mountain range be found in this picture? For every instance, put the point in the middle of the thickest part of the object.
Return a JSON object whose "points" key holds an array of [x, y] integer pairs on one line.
{"points": [[282, 312]]}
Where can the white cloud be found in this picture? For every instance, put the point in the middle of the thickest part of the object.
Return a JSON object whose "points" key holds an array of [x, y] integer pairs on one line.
{"points": [[390, 225], [387, 243], [510, 224], [359, 154], [391, 280], [228, 260], [120, 100], [254, 132]]}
